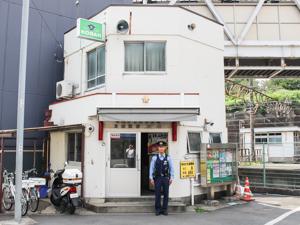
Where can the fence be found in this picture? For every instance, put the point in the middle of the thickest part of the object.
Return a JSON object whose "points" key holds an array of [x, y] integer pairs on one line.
{"points": [[203, 1], [271, 166]]}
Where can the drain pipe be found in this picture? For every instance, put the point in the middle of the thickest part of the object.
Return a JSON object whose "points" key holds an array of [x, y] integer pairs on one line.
{"points": [[193, 184]]}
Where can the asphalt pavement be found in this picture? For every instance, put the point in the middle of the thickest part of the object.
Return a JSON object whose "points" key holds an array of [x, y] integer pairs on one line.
{"points": [[266, 210]]}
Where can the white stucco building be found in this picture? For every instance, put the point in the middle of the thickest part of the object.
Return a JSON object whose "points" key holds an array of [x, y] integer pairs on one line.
{"points": [[160, 79], [279, 144]]}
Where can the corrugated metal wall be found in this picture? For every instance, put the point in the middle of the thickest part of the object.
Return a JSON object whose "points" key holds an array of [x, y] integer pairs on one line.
{"points": [[43, 70], [48, 21]]}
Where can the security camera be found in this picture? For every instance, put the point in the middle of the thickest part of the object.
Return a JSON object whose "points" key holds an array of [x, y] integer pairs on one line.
{"points": [[90, 128], [207, 122]]}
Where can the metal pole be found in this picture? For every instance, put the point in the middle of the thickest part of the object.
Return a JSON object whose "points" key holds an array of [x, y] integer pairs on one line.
{"points": [[21, 106], [264, 166], [1, 170], [252, 152]]}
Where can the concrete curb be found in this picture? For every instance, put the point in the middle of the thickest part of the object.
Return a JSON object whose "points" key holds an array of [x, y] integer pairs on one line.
{"points": [[24, 221]]}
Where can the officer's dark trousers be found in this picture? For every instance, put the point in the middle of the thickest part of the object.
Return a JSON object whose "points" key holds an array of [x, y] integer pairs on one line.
{"points": [[161, 183]]}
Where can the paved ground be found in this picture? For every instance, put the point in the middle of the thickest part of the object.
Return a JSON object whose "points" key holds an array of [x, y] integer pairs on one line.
{"points": [[266, 210]]}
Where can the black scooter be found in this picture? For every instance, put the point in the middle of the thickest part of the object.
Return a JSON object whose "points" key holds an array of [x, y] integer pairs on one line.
{"points": [[63, 195]]}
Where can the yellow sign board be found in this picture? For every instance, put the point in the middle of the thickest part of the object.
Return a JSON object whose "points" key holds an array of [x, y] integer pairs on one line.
{"points": [[187, 169]]}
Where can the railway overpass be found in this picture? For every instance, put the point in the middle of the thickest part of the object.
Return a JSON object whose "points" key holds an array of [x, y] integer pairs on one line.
{"points": [[262, 38]]}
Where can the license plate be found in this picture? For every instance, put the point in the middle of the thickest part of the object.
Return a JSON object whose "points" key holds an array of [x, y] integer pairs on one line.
{"points": [[74, 195]]}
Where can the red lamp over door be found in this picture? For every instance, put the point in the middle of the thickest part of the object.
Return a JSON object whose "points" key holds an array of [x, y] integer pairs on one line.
{"points": [[100, 130], [174, 131]]}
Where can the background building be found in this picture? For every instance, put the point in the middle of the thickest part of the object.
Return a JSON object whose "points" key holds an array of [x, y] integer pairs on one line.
{"points": [[47, 23]]}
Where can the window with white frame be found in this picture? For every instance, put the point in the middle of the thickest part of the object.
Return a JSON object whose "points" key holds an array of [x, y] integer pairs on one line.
{"points": [[193, 141], [275, 138], [215, 138], [271, 138], [74, 147], [261, 138], [145, 56], [96, 67]]}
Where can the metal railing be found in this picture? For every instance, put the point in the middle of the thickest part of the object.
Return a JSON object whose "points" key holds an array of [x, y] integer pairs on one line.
{"points": [[271, 165], [214, 1]]}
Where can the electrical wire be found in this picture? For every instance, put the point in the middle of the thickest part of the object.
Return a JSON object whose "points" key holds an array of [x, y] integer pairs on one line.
{"points": [[47, 26], [41, 10]]}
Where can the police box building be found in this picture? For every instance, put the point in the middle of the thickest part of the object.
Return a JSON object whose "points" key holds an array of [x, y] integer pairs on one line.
{"points": [[136, 76]]}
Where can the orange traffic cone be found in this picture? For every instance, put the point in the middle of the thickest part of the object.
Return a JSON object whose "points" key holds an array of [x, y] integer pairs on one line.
{"points": [[247, 192]]}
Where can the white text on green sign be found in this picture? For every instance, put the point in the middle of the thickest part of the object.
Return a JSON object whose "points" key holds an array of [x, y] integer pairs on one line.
{"points": [[90, 30]]}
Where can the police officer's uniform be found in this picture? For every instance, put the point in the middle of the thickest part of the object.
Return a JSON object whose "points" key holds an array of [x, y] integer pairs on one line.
{"points": [[161, 171]]}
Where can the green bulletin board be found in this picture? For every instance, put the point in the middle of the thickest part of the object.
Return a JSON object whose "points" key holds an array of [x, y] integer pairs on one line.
{"points": [[219, 166]]}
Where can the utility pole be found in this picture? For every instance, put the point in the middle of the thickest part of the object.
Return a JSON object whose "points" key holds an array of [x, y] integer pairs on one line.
{"points": [[252, 119], [21, 107]]}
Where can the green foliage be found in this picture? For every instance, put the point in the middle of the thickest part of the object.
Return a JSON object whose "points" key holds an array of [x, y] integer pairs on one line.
{"points": [[288, 84], [199, 210], [279, 89], [283, 94]]}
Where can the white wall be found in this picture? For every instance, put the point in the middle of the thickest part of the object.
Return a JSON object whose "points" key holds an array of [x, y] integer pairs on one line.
{"points": [[194, 64], [194, 61], [273, 151]]}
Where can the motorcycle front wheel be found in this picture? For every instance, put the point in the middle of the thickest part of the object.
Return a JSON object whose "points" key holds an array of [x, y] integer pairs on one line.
{"points": [[55, 203]]}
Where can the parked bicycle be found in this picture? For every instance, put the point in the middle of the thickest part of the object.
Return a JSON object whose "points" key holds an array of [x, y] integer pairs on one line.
{"points": [[9, 193], [31, 186]]}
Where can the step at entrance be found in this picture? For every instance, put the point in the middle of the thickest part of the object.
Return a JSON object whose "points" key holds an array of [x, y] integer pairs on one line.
{"points": [[134, 205]]}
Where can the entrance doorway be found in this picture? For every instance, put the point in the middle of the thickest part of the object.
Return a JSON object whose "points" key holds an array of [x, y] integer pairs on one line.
{"points": [[149, 143], [123, 167]]}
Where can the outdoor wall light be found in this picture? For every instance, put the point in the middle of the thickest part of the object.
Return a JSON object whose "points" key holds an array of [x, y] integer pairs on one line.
{"points": [[191, 26]]}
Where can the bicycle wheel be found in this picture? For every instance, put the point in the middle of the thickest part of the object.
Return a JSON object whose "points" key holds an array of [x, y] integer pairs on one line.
{"points": [[24, 202], [33, 199], [7, 199]]}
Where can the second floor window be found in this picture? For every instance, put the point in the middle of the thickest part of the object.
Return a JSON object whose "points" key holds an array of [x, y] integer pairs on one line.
{"points": [[96, 67], [145, 56]]}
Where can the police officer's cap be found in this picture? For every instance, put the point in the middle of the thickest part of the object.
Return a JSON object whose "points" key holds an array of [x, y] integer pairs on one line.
{"points": [[162, 144]]}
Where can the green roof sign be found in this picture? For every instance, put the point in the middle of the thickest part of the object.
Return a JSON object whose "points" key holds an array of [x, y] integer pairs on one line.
{"points": [[90, 30]]}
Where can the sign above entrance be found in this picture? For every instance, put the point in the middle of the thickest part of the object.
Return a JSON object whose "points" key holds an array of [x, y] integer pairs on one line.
{"points": [[90, 30], [187, 169]]}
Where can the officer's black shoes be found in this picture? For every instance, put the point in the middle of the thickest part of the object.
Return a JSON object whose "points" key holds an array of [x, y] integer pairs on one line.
{"points": [[157, 213], [165, 213]]}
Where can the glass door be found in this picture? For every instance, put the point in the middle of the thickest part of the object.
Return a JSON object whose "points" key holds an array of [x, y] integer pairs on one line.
{"points": [[123, 164]]}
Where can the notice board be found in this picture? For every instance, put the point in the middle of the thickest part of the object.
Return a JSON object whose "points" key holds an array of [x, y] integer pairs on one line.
{"points": [[187, 169], [219, 166]]}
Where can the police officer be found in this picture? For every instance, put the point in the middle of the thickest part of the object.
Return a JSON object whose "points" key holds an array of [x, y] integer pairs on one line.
{"points": [[161, 175]]}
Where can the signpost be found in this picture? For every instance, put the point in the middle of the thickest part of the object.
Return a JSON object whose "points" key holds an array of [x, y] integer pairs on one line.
{"points": [[90, 30], [187, 169]]}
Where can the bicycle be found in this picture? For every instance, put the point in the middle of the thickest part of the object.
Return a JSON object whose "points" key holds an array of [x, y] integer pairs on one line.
{"points": [[9, 193], [30, 184]]}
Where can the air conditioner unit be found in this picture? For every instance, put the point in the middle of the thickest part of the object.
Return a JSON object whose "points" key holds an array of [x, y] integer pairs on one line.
{"points": [[64, 89]]}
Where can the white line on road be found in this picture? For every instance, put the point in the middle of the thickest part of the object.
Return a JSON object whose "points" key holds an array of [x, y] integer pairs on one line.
{"points": [[283, 216], [269, 205]]}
